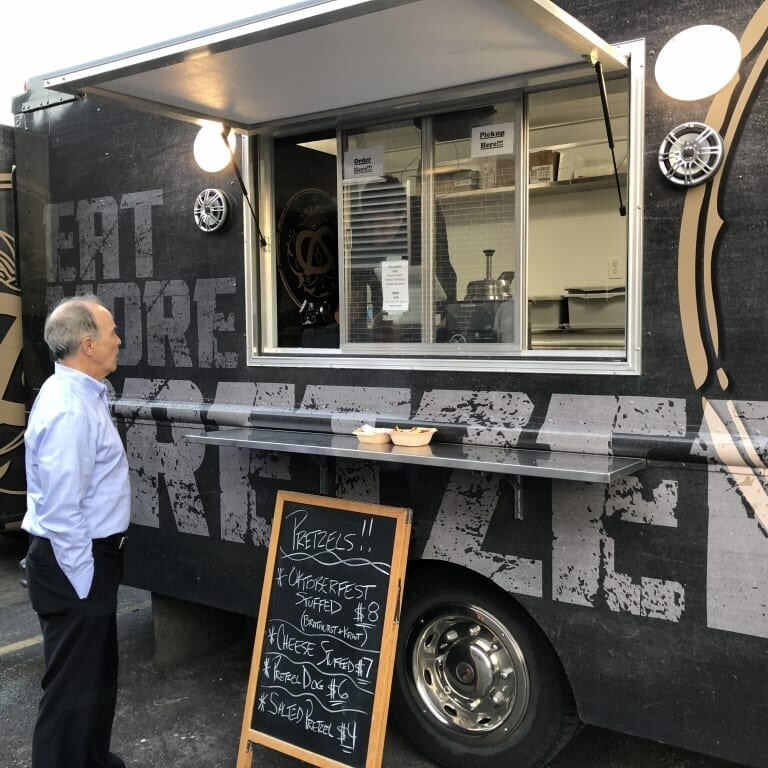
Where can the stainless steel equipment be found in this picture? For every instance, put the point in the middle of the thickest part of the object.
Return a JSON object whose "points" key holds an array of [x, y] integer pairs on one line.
{"points": [[488, 289]]}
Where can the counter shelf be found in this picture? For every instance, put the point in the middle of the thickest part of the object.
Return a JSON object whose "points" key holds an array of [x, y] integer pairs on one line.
{"points": [[557, 465]]}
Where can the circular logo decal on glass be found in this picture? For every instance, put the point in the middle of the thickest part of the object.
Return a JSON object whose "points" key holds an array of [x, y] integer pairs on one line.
{"points": [[307, 246]]}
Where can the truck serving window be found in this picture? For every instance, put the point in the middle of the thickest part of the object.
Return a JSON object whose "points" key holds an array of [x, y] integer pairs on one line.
{"points": [[491, 232]]}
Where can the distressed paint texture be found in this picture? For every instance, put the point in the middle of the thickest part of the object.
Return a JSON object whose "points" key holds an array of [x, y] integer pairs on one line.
{"points": [[366, 403], [627, 503], [737, 561], [151, 458], [210, 322], [97, 225], [587, 423], [744, 425], [141, 203], [58, 241], [154, 317], [491, 418], [241, 518], [459, 535], [737, 544], [358, 481], [583, 554], [167, 307], [236, 400], [351, 407], [654, 416], [128, 319]]}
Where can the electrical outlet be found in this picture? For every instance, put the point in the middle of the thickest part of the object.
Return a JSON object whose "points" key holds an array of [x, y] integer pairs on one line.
{"points": [[614, 268]]}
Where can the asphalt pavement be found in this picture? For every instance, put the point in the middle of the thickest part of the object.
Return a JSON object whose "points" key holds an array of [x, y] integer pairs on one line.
{"points": [[190, 716]]}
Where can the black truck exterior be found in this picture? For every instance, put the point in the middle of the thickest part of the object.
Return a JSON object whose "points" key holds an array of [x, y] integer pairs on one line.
{"points": [[640, 606]]}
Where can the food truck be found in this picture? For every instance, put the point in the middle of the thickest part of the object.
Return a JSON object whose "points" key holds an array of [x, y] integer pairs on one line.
{"points": [[485, 218]]}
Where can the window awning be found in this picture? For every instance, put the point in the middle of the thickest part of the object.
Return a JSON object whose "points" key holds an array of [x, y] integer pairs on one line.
{"points": [[319, 57]]}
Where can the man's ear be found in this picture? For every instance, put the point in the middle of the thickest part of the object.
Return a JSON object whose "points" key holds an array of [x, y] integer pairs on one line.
{"points": [[86, 345]]}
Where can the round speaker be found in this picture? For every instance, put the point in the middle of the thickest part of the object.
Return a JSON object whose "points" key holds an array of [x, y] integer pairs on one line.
{"points": [[690, 154], [211, 210]]}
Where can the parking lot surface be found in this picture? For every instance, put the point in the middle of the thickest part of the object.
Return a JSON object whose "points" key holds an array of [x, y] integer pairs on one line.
{"points": [[190, 716]]}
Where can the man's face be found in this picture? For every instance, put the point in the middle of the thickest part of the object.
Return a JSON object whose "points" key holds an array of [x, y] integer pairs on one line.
{"points": [[106, 345]]}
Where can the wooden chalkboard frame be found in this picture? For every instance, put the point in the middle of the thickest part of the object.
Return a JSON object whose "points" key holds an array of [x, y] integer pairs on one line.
{"points": [[389, 627]]}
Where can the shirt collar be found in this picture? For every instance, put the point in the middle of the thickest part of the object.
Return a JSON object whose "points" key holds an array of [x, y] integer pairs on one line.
{"points": [[81, 380]]}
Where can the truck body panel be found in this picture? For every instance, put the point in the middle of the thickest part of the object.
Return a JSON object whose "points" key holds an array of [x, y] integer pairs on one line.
{"points": [[652, 590]]}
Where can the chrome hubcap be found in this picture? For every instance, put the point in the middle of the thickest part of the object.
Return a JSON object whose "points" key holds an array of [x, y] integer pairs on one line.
{"points": [[469, 672]]}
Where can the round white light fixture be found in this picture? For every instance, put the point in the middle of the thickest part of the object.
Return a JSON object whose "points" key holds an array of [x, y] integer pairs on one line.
{"points": [[212, 151], [698, 62]]}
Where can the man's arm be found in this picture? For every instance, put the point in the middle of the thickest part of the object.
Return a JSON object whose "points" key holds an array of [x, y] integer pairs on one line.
{"points": [[64, 452]]}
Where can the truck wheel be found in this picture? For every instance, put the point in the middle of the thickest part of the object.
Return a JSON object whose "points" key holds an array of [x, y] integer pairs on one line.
{"points": [[476, 682]]}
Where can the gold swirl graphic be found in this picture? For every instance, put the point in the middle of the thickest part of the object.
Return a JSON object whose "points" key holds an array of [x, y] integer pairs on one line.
{"points": [[8, 263], [750, 481], [12, 415], [701, 212], [727, 435]]}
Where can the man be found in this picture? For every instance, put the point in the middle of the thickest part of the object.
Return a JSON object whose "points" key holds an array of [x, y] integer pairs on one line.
{"points": [[78, 509]]}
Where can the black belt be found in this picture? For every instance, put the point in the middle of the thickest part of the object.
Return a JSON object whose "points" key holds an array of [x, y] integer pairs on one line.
{"points": [[116, 540]]}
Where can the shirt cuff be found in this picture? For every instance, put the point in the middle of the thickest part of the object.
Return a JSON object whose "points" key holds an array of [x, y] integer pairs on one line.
{"points": [[76, 564], [82, 581]]}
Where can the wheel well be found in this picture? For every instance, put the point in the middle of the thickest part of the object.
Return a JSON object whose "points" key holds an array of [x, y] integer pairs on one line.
{"points": [[547, 726], [441, 571]]}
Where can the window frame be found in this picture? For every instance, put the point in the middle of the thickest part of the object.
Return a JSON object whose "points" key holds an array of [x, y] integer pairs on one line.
{"points": [[261, 276]]}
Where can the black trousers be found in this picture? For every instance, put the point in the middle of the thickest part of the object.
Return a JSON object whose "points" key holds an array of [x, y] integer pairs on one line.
{"points": [[74, 721]]}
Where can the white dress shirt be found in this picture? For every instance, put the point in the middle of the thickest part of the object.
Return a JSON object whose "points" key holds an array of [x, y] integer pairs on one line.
{"points": [[77, 472]]}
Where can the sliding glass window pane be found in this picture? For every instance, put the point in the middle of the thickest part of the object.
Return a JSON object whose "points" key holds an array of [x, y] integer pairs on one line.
{"points": [[306, 241], [382, 235], [474, 225], [577, 239], [428, 254]]}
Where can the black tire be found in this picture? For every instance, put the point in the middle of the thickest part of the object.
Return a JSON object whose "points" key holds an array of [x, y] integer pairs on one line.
{"points": [[477, 684]]}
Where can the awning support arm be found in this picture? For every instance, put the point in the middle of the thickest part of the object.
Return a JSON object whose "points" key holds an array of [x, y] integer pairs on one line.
{"points": [[609, 132], [236, 169]]}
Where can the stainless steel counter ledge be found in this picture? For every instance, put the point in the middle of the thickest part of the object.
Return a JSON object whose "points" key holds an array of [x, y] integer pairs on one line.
{"points": [[590, 468]]}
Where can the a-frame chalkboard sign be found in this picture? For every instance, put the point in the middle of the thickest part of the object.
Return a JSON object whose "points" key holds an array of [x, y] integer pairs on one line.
{"points": [[325, 639]]}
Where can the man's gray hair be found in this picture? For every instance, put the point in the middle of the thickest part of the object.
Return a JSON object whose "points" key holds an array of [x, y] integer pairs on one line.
{"points": [[70, 321]]}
